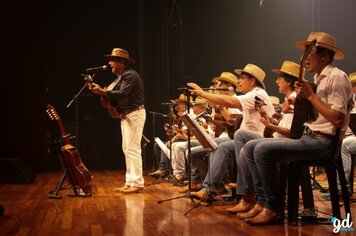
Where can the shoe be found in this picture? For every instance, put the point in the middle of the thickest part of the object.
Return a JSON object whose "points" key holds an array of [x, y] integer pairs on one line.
{"points": [[125, 187], [132, 189], [266, 217], [179, 178], [231, 185], [251, 213], [203, 196], [246, 203], [195, 187], [158, 173]]}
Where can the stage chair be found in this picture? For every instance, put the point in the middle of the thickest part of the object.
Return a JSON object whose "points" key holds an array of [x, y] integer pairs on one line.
{"points": [[331, 162]]}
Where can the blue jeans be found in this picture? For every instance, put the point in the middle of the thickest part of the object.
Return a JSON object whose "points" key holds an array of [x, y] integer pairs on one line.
{"points": [[262, 155], [218, 163], [244, 179]]}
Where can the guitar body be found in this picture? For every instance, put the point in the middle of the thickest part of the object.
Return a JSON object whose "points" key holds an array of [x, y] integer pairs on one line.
{"points": [[303, 112], [80, 173], [274, 119], [112, 110]]}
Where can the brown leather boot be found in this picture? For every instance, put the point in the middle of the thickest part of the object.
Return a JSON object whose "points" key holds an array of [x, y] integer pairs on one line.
{"points": [[251, 213], [266, 217], [195, 187], [246, 203]]}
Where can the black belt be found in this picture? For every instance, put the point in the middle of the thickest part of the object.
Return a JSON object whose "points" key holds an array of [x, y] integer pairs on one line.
{"points": [[317, 134], [134, 109]]}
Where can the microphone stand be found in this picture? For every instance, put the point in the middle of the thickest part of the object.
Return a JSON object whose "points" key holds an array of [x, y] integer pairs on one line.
{"points": [[87, 79], [187, 194]]}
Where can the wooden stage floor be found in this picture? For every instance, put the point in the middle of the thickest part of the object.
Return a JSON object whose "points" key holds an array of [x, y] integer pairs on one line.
{"points": [[29, 211]]}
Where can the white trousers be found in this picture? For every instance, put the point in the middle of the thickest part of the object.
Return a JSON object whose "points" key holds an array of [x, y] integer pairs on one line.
{"points": [[131, 130]]}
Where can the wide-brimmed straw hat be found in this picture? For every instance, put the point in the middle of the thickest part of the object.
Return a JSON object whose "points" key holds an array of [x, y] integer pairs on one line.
{"points": [[274, 99], [324, 40], [227, 77], [352, 77], [289, 68], [183, 98], [199, 101], [255, 71], [120, 53]]}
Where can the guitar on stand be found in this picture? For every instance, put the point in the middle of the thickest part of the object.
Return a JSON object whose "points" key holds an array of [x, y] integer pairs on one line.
{"points": [[75, 172]]}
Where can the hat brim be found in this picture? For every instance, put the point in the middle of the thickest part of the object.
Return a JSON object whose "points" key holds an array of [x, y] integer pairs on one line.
{"points": [[278, 71], [339, 54], [118, 57], [239, 71]]}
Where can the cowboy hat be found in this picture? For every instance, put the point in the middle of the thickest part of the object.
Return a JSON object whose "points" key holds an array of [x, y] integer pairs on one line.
{"points": [[324, 40], [289, 68], [120, 53], [227, 77], [352, 77], [255, 71]]}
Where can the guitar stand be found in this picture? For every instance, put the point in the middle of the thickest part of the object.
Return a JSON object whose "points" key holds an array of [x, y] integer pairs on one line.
{"points": [[76, 189]]}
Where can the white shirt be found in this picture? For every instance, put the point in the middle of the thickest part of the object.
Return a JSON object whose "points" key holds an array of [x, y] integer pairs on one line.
{"points": [[334, 88], [251, 117]]}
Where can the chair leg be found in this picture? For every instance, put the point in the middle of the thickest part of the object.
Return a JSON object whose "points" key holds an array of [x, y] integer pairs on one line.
{"points": [[307, 191], [293, 193], [345, 195], [331, 175]]}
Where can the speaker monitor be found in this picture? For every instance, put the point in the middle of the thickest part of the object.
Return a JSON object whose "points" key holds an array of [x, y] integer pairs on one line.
{"points": [[15, 171]]}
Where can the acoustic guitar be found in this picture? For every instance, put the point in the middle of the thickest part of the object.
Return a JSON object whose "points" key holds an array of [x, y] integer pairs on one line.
{"points": [[303, 109], [274, 119], [79, 174], [104, 100]]}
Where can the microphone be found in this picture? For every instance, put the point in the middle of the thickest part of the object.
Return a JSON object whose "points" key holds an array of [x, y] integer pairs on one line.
{"points": [[96, 69], [231, 89]]}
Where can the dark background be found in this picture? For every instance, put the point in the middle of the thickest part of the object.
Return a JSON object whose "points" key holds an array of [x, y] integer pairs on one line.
{"points": [[47, 45]]}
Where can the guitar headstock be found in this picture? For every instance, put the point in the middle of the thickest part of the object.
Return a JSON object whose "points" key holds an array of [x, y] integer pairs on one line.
{"points": [[259, 103], [52, 113], [311, 49]]}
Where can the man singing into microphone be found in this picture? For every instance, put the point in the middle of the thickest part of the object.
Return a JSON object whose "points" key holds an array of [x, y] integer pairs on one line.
{"points": [[126, 95]]}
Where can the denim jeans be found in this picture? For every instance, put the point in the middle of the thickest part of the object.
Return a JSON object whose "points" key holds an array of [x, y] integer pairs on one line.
{"points": [[263, 154], [218, 163], [244, 179]]}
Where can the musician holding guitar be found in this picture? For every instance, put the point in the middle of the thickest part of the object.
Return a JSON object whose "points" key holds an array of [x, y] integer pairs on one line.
{"points": [[330, 100], [124, 99]]}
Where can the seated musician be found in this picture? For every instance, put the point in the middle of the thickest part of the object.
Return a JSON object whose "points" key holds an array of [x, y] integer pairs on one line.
{"points": [[251, 85], [287, 76], [330, 100], [174, 134]]}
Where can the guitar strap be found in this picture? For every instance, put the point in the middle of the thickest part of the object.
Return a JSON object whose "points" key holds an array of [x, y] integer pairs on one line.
{"points": [[114, 83]]}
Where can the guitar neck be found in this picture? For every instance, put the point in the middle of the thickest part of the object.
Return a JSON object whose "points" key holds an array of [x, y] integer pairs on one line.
{"points": [[65, 136]]}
